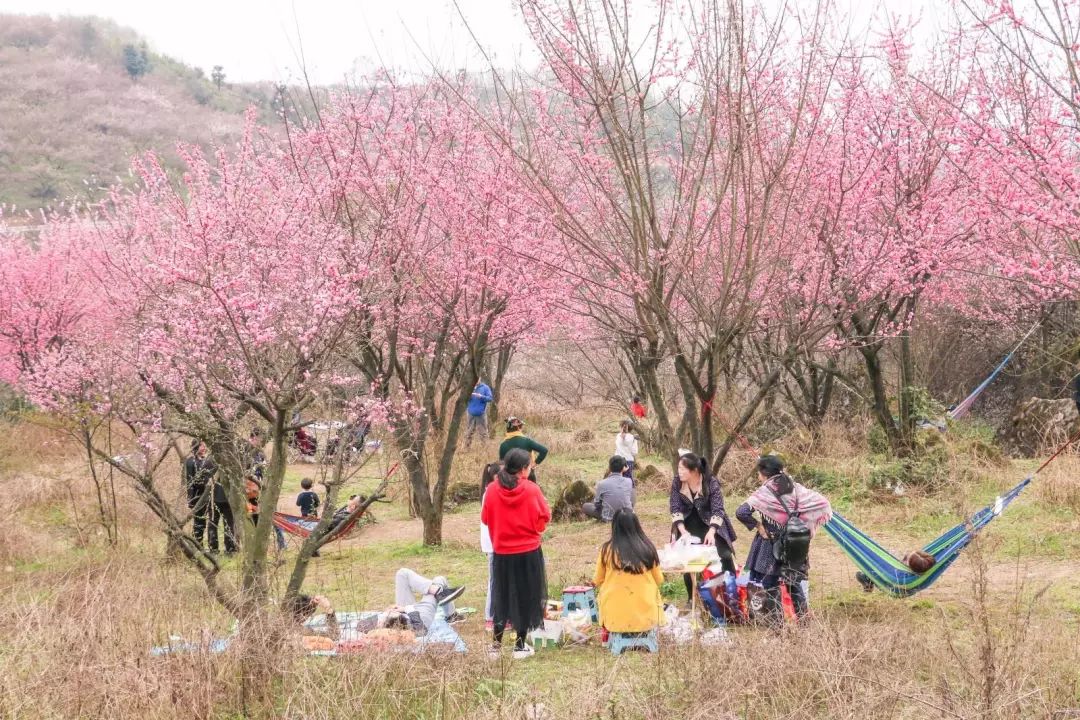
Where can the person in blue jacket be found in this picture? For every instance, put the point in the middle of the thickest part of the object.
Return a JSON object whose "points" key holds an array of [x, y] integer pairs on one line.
{"points": [[481, 396]]}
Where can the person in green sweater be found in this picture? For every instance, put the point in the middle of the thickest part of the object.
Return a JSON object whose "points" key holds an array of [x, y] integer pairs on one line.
{"points": [[516, 439]]}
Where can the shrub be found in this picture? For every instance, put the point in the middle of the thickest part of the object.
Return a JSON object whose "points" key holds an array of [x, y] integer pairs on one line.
{"points": [[463, 492], [572, 497], [823, 479]]}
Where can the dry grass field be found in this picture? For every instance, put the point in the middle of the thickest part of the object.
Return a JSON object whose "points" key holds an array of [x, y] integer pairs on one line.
{"points": [[997, 637]]}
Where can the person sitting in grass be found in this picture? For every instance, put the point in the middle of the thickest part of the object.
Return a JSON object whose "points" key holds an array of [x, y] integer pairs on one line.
{"points": [[628, 578], [303, 608], [615, 492]]}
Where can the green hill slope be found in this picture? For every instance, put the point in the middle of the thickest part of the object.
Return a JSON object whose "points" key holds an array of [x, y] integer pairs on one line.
{"points": [[72, 115]]}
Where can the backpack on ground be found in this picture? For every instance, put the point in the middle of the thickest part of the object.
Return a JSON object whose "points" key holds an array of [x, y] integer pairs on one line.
{"points": [[791, 546]]}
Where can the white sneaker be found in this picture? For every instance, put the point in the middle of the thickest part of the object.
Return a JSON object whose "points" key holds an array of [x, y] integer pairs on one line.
{"points": [[494, 652], [525, 652]]}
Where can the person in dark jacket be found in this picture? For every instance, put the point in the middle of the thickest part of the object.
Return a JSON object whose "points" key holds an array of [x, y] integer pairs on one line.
{"points": [[764, 514], [697, 509], [199, 471], [517, 439], [221, 515]]}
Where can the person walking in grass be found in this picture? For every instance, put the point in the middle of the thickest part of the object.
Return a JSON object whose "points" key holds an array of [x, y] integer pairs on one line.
{"points": [[221, 519], [516, 514], [199, 471], [477, 412], [308, 500]]}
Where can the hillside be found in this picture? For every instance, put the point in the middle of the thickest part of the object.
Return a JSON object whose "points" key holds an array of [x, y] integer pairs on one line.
{"points": [[72, 112]]}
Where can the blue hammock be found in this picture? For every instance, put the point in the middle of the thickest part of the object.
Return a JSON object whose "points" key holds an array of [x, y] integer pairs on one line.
{"points": [[964, 406], [896, 578]]}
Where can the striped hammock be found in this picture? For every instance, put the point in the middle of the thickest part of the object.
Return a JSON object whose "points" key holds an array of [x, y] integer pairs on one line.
{"points": [[302, 527], [896, 578], [892, 575]]}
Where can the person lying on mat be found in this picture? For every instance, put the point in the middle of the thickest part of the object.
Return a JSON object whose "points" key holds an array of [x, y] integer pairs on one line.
{"points": [[417, 615], [407, 612], [771, 512], [919, 561], [303, 607]]}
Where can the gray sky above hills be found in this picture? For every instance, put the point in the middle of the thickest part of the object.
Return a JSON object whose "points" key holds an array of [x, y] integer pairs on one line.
{"points": [[262, 39]]}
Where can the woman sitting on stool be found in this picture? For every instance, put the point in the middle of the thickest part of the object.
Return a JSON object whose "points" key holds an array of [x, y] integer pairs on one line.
{"points": [[628, 578]]}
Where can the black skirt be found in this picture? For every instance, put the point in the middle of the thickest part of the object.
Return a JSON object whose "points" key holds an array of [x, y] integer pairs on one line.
{"points": [[519, 590]]}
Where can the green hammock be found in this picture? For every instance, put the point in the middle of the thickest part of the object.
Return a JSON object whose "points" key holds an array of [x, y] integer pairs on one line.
{"points": [[893, 576], [896, 578]]}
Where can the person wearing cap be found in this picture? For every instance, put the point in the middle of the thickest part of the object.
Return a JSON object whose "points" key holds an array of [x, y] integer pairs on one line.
{"points": [[516, 439]]}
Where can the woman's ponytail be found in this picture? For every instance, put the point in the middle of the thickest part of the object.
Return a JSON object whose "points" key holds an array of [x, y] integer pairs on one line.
{"points": [[690, 461]]}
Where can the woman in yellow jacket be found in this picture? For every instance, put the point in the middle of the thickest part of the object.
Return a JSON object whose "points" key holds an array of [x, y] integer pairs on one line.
{"points": [[628, 578]]}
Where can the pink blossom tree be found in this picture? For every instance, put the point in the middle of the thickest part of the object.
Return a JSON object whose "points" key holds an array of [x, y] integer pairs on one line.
{"points": [[667, 159], [217, 301], [461, 249]]}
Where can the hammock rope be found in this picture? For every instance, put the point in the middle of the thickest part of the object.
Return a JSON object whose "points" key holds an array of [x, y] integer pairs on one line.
{"points": [[964, 406]]}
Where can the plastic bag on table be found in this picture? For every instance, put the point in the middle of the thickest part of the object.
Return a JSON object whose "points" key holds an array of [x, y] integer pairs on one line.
{"points": [[687, 551]]}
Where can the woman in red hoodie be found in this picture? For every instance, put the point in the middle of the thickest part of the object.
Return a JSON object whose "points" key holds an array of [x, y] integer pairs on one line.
{"points": [[516, 513]]}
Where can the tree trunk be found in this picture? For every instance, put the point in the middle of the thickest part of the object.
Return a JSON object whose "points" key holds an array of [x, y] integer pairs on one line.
{"points": [[433, 527], [882, 411], [666, 442], [502, 365], [255, 576], [691, 416], [704, 444], [907, 388]]}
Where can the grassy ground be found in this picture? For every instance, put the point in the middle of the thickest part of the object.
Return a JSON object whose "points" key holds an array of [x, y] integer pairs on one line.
{"points": [[997, 636]]}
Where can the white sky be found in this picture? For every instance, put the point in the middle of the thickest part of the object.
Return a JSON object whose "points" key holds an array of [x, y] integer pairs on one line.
{"points": [[257, 39]]}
